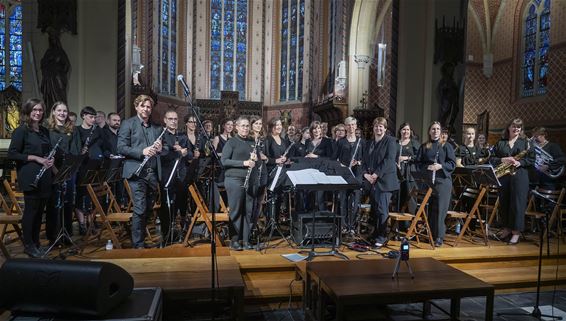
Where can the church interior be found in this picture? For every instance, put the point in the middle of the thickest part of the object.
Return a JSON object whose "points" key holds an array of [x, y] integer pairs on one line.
{"points": [[463, 63]]}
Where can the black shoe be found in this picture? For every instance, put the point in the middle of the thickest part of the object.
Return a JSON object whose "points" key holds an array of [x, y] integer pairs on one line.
{"points": [[33, 252], [247, 246], [235, 246], [438, 242]]}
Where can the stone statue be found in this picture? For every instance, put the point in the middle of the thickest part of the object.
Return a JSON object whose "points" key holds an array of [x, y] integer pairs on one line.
{"points": [[448, 97], [55, 68]]}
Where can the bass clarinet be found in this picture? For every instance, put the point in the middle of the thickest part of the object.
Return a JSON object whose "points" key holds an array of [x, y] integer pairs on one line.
{"points": [[43, 169], [146, 158]]}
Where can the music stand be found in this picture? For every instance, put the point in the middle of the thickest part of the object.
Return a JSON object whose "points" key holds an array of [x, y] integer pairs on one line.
{"points": [[272, 223], [484, 176], [114, 168], [329, 168], [70, 166]]}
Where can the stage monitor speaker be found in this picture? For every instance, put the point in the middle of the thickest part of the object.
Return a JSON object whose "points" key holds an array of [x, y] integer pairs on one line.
{"points": [[62, 287], [324, 228]]}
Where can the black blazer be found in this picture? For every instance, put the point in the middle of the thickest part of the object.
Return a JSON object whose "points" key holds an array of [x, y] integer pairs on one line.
{"points": [[324, 149], [446, 158], [131, 142], [169, 155], [380, 158], [26, 142], [345, 153]]}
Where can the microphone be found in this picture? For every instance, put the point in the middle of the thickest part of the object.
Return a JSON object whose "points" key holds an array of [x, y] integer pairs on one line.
{"points": [[186, 89]]}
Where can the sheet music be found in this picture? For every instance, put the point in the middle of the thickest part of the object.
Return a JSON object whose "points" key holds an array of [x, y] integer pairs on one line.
{"points": [[312, 176], [336, 180]]}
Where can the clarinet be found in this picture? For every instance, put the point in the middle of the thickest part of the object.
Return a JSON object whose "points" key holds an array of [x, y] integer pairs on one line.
{"points": [[260, 143], [43, 169], [89, 139], [146, 158], [249, 173], [434, 172], [284, 155], [355, 152]]}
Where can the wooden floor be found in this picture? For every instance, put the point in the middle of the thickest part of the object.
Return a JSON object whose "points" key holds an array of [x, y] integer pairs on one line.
{"points": [[270, 278]]}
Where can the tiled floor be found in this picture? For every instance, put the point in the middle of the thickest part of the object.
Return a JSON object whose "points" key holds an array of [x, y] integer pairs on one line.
{"points": [[472, 309]]}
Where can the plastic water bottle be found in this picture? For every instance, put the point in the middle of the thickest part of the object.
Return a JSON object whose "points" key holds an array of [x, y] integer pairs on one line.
{"points": [[109, 245], [458, 227], [158, 226]]}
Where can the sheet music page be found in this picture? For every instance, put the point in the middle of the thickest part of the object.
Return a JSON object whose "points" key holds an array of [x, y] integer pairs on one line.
{"points": [[276, 178], [336, 180], [302, 177], [312, 176]]}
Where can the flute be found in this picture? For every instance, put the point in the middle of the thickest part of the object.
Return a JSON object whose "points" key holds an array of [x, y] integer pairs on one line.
{"points": [[355, 152], [146, 158], [43, 169]]}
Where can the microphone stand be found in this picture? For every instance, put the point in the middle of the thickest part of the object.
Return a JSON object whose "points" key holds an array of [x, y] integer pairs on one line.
{"points": [[169, 235], [215, 157]]}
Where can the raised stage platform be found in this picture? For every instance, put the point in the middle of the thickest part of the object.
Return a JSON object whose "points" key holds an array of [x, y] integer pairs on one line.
{"points": [[266, 279]]}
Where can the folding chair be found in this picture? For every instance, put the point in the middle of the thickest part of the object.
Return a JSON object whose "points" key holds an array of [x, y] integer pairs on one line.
{"points": [[112, 214], [8, 218], [16, 198], [555, 198], [460, 212], [419, 221], [202, 214], [491, 208]]}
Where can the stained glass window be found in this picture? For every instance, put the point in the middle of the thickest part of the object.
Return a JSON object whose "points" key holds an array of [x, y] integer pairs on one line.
{"points": [[10, 45], [536, 41], [167, 52], [228, 46], [292, 49]]}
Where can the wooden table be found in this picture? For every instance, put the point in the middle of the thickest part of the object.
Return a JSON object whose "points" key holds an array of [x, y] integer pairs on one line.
{"points": [[187, 277], [360, 282]]}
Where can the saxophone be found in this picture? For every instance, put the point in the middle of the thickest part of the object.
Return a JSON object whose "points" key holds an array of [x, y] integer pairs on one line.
{"points": [[506, 168]]}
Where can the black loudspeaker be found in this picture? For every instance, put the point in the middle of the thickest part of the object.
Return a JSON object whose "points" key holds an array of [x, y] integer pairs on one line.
{"points": [[324, 228], [62, 287]]}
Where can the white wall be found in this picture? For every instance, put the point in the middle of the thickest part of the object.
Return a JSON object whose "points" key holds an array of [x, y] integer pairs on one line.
{"points": [[92, 54]]}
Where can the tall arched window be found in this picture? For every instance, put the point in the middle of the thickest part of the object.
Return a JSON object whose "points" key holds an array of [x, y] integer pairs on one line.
{"points": [[10, 44], [167, 52], [536, 43], [228, 46], [292, 49]]}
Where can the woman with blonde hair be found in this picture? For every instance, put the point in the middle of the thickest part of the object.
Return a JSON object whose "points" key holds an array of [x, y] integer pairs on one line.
{"points": [[61, 127]]}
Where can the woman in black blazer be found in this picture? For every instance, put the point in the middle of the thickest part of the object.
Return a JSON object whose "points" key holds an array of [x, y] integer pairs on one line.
{"points": [[29, 146], [380, 172]]}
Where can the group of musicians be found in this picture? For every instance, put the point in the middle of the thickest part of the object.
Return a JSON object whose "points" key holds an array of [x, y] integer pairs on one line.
{"points": [[162, 158]]}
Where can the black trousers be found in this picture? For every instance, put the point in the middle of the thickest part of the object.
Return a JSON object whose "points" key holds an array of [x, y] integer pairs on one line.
{"points": [[439, 204], [241, 206], [33, 214], [380, 207], [144, 190], [513, 197]]}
